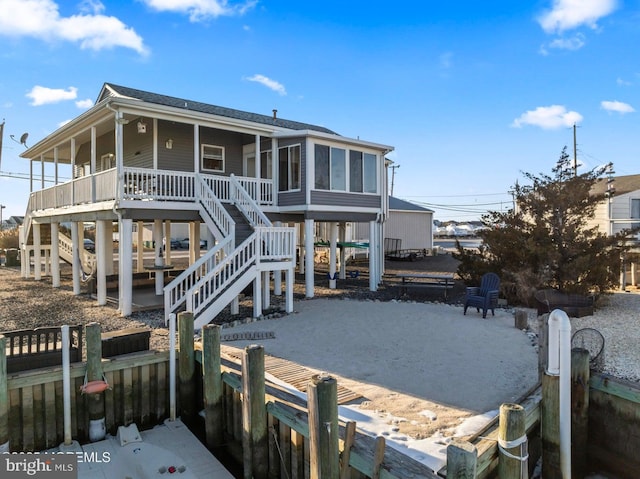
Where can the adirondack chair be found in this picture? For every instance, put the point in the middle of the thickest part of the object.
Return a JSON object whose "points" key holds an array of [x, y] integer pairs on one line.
{"points": [[485, 296]]}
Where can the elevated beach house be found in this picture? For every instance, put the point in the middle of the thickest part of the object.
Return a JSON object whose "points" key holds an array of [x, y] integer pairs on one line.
{"points": [[255, 184]]}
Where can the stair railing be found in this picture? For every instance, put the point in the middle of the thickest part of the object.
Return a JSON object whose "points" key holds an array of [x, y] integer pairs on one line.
{"points": [[247, 205]]}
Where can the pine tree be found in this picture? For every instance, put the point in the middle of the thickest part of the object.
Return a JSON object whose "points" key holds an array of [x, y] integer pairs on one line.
{"points": [[546, 242]]}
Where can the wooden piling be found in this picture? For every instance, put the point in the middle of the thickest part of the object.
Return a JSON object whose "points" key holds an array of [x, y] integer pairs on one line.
{"points": [[521, 319], [94, 402], [512, 440], [579, 411], [322, 403], [550, 427], [4, 397], [186, 366], [255, 443], [345, 456], [212, 385], [462, 460]]}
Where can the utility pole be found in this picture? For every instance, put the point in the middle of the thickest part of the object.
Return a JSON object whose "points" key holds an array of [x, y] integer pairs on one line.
{"points": [[575, 152], [393, 176]]}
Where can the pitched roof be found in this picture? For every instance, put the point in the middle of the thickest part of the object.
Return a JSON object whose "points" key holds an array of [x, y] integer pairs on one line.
{"points": [[398, 204], [111, 90], [622, 184]]}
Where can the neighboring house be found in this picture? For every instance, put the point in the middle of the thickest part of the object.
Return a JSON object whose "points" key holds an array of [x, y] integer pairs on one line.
{"points": [[254, 183], [408, 222], [622, 211], [12, 222]]}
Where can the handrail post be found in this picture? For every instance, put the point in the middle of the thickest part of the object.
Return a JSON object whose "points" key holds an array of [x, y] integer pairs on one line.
{"points": [[255, 444], [322, 401]]}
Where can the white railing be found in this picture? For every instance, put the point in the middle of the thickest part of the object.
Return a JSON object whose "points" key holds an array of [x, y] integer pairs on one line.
{"points": [[175, 292], [246, 204], [214, 208], [222, 276], [106, 183], [82, 190], [65, 247], [147, 184], [260, 190], [265, 244]]}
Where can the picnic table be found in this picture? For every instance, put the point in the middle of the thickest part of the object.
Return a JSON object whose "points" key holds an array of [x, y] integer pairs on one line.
{"points": [[431, 280]]}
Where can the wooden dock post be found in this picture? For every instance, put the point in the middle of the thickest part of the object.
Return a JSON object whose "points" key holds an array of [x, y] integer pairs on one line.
{"points": [[579, 411], [462, 460], [322, 402], [512, 442], [212, 385], [521, 319], [4, 397], [255, 441], [550, 427], [95, 402], [186, 366]]}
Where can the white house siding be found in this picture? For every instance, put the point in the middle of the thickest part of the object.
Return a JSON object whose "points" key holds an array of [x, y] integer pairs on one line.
{"points": [[620, 213], [414, 228]]}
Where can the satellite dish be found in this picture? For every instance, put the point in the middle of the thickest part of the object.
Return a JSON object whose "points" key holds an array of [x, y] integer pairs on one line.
{"points": [[23, 139]]}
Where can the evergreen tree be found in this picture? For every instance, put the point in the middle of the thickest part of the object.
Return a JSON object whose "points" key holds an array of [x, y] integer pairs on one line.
{"points": [[546, 241]]}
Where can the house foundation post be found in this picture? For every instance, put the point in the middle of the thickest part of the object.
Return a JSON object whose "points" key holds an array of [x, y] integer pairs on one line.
{"points": [[55, 255], [167, 242], [47, 262], [289, 278], [107, 238], [257, 296], [333, 246], [37, 253], [342, 235], [125, 284], [158, 261], [277, 274], [266, 283], [75, 257], [101, 258], [301, 248], [139, 247], [373, 260], [308, 258]]}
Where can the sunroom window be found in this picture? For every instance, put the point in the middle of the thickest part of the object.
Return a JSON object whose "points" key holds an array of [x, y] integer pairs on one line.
{"points": [[289, 168], [212, 158], [330, 168]]}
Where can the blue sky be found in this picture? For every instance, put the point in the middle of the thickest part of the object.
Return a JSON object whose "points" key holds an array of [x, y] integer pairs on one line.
{"points": [[469, 93]]}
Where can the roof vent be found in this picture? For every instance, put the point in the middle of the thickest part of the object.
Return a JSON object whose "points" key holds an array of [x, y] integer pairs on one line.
{"points": [[275, 114]]}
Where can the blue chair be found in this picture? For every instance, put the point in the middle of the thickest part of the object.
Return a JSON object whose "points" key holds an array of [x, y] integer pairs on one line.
{"points": [[485, 296]]}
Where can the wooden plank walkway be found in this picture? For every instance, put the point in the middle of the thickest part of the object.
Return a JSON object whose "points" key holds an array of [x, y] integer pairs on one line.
{"points": [[291, 373]]}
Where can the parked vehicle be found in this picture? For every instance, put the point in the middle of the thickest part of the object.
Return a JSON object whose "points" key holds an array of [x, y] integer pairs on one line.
{"points": [[184, 243], [89, 245], [175, 243]]}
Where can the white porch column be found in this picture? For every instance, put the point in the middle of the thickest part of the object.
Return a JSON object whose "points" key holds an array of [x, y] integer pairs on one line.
{"points": [[333, 235], [167, 242], [139, 248], [289, 278], [108, 241], [75, 258], [257, 296], [301, 248], [46, 262], [235, 305], [196, 241], [373, 261], [277, 274], [125, 267], [342, 234], [258, 166], [308, 258], [55, 256], [37, 253], [266, 296], [158, 261], [101, 260]]}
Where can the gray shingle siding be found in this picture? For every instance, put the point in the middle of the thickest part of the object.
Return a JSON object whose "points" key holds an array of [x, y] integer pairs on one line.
{"points": [[337, 198]]}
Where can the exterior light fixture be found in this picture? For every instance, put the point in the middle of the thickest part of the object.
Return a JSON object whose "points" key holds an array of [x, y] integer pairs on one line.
{"points": [[169, 144], [142, 127]]}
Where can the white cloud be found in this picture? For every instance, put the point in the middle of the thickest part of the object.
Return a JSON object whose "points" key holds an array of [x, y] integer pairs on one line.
{"points": [[199, 10], [92, 30], [446, 60], [570, 14], [269, 83], [84, 104], [574, 43], [617, 106], [41, 95], [548, 118], [622, 82]]}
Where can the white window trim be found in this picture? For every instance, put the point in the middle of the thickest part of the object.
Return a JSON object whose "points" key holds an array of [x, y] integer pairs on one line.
{"points": [[288, 147], [347, 168], [202, 157]]}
